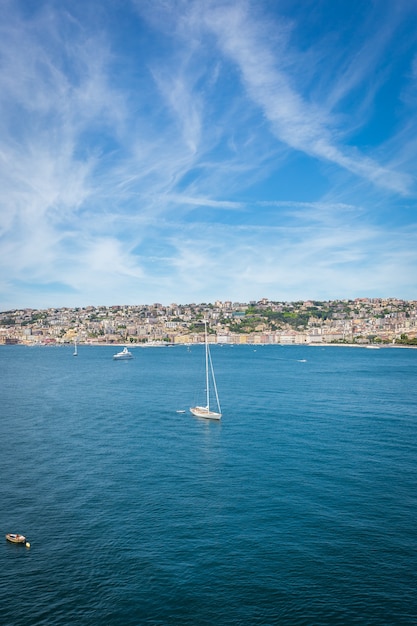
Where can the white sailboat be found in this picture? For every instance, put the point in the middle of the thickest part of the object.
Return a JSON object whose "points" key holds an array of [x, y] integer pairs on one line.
{"points": [[75, 353], [205, 411]]}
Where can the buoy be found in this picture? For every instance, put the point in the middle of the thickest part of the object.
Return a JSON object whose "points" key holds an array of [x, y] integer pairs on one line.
{"points": [[27, 544]]}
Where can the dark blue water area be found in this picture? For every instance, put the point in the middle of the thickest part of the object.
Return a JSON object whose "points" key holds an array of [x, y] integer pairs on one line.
{"points": [[298, 507]]}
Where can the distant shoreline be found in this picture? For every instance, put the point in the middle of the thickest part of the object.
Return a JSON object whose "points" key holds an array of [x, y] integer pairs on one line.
{"points": [[172, 345]]}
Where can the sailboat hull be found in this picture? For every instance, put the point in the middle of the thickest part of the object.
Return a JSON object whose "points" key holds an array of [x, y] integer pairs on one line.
{"points": [[203, 411]]}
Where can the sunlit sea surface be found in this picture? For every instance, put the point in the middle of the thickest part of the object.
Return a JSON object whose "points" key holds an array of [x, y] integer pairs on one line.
{"points": [[299, 507]]}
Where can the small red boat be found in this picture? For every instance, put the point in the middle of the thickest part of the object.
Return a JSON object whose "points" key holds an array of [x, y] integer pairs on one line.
{"points": [[15, 538]]}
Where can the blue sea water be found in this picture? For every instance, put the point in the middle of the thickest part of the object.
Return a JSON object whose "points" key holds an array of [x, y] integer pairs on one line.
{"points": [[298, 508]]}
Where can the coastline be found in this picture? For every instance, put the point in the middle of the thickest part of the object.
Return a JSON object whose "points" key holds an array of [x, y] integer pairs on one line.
{"points": [[188, 344]]}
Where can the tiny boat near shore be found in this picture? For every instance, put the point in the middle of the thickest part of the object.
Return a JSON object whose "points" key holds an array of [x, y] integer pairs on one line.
{"points": [[15, 538], [123, 355]]}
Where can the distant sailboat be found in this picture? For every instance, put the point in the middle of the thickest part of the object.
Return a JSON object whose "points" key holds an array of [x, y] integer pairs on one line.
{"points": [[205, 411], [75, 353]]}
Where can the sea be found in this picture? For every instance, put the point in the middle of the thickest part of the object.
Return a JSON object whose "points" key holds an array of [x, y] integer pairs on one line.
{"points": [[299, 507]]}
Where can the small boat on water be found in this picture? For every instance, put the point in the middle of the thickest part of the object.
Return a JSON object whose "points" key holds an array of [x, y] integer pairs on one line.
{"points": [[123, 355], [205, 411], [15, 538]]}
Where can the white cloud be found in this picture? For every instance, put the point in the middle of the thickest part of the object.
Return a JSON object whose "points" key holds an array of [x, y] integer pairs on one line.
{"points": [[136, 175], [294, 120]]}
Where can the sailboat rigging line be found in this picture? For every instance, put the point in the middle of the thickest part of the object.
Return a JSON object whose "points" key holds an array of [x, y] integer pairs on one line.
{"points": [[214, 383]]}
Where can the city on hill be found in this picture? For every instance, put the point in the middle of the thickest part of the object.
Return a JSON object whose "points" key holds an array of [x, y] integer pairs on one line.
{"points": [[359, 321]]}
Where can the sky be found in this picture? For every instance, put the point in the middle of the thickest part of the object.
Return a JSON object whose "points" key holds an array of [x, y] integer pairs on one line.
{"points": [[192, 151]]}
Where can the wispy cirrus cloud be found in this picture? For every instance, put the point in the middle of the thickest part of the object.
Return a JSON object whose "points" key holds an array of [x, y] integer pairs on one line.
{"points": [[202, 153], [295, 121]]}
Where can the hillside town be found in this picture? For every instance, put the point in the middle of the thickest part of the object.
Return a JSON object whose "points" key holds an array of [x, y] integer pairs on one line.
{"points": [[358, 321]]}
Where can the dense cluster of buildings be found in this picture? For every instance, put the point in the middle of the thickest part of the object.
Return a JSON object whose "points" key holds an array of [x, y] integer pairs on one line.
{"points": [[363, 320]]}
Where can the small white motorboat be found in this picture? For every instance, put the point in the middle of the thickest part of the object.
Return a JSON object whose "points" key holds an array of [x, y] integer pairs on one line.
{"points": [[123, 355]]}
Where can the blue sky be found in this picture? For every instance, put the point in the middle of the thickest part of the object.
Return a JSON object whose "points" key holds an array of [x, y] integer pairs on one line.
{"points": [[188, 151]]}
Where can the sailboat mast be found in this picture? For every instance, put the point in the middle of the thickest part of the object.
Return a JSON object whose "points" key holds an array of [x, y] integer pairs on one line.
{"points": [[207, 365]]}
